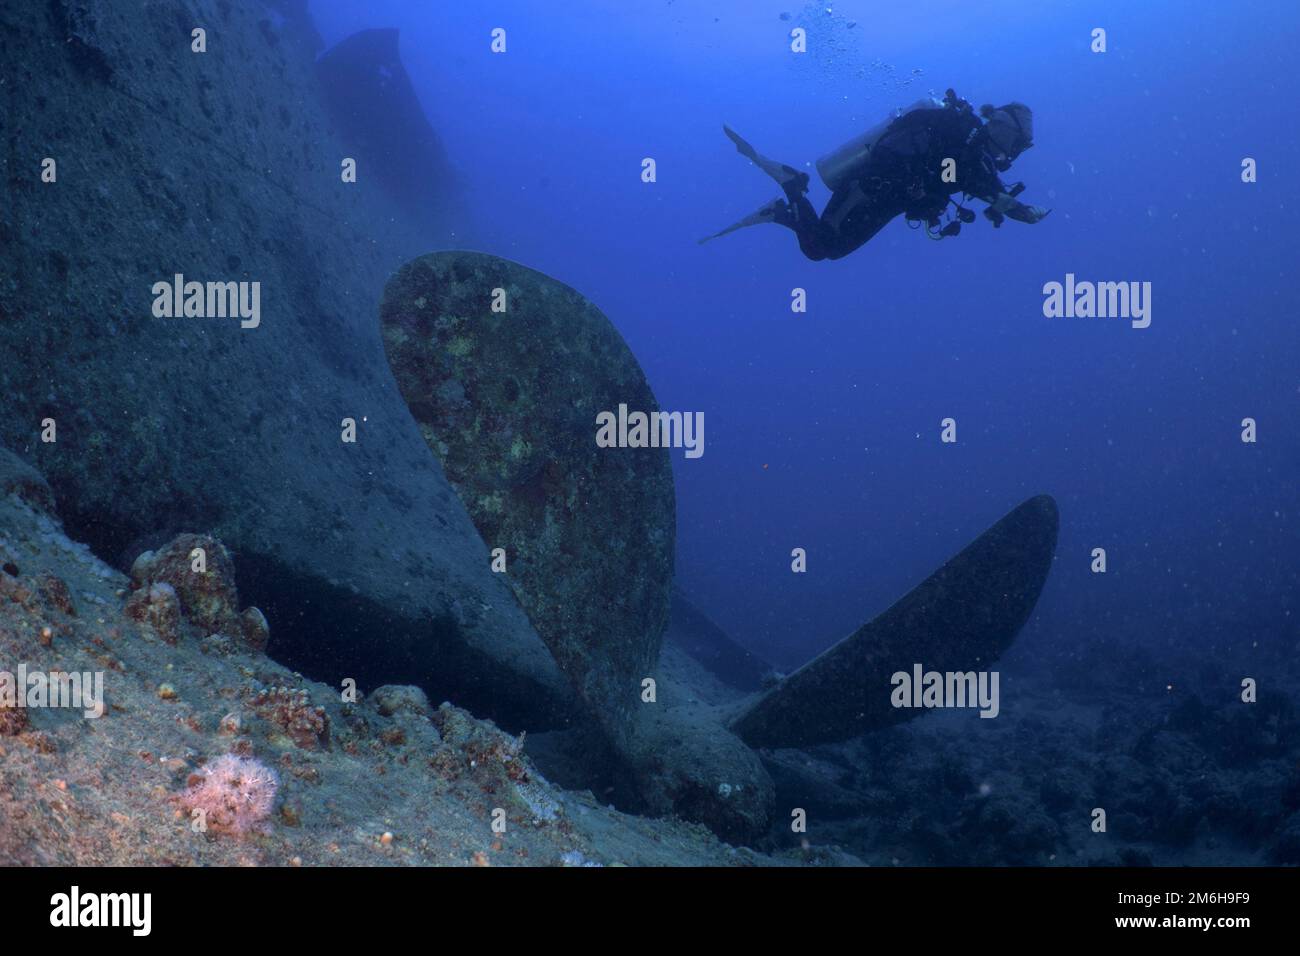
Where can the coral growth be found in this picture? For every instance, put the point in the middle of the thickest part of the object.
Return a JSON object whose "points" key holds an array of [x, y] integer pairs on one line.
{"points": [[54, 591], [292, 711], [235, 794], [157, 606], [473, 745], [393, 699], [14, 590], [207, 596], [13, 720], [196, 574]]}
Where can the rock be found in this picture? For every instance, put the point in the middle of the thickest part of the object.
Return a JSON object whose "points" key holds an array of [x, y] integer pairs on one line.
{"points": [[255, 631], [19, 478], [13, 720], [54, 591], [159, 607], [171, 593], [508, 402], [192, 580], [293, 713], [471, 747], [208, 597], [393, 699]]}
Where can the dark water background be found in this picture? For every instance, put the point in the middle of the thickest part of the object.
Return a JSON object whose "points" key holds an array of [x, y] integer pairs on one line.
{"points": [[822, 429]]}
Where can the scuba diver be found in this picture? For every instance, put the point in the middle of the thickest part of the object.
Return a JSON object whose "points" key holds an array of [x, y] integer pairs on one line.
{"points": [[900, 167]]}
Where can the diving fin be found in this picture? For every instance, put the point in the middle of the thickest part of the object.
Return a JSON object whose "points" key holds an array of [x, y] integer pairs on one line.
{"points": [[783, 174], [767, 213], [742, 145], [961, 618]]}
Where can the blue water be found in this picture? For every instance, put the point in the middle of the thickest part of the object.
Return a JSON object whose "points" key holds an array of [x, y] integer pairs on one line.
{"points": [[822, 429]]}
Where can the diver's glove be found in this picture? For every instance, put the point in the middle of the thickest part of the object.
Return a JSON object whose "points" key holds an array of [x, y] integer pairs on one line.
{"points": [[1007, 205], [1004, 202], [1029, 214]]}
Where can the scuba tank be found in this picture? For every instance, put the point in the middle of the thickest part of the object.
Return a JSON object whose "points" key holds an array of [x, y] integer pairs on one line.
{"points": [[847, 162]]}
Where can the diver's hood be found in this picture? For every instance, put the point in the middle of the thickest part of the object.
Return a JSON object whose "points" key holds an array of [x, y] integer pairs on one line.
{"points": [[1011, 129]]}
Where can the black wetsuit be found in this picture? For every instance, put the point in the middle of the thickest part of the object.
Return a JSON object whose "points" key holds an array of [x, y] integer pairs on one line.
{"points": [[903, 175]]}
